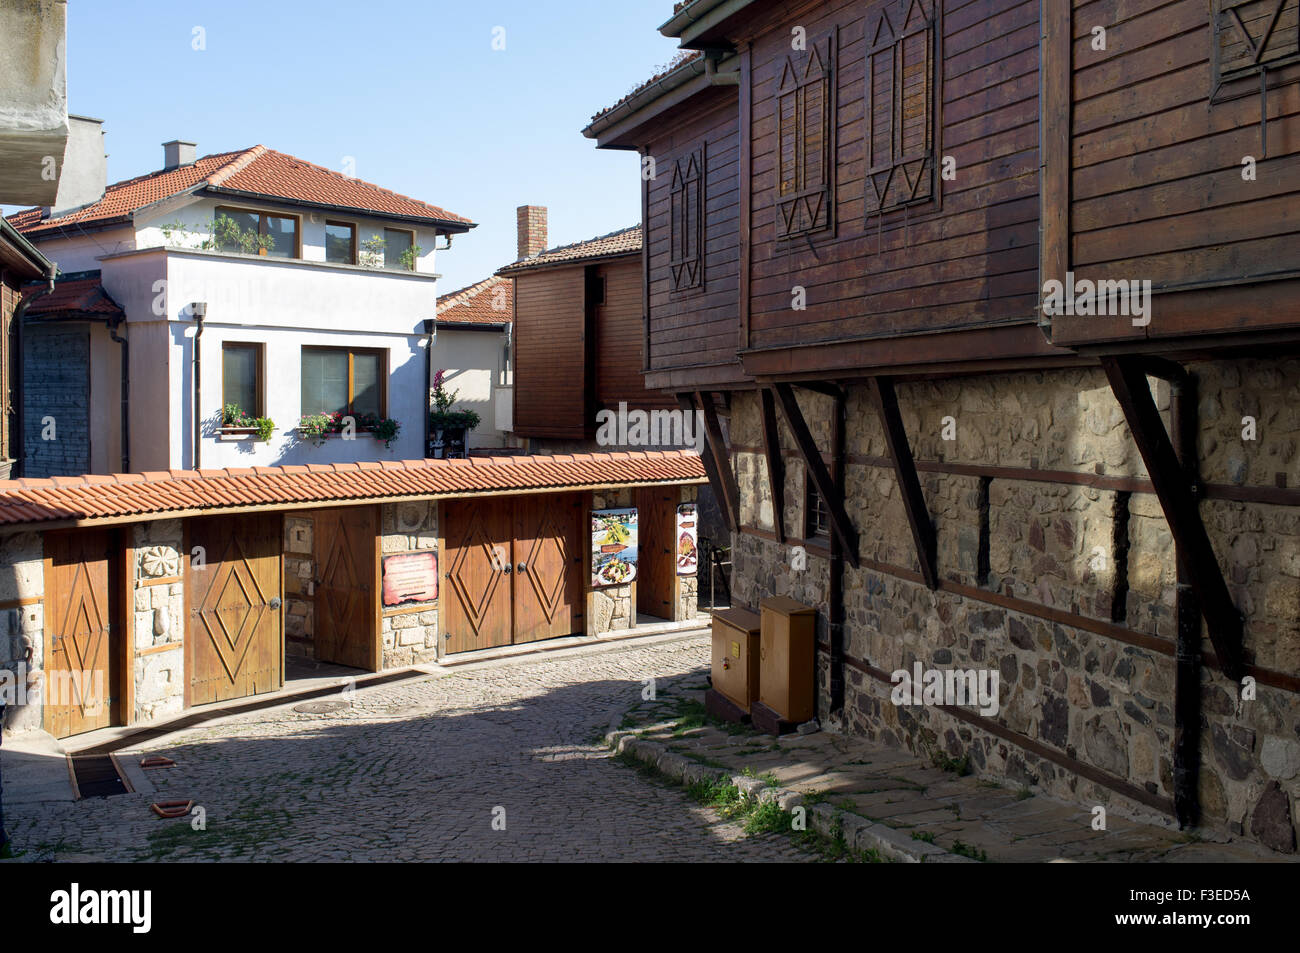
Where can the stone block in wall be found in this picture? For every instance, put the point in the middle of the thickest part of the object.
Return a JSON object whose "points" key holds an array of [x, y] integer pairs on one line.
{"points": [[22, 555], [298, 535]]}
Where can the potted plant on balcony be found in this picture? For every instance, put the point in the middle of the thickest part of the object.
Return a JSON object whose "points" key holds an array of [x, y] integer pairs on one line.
{"points": [[448, 429], [235, 421], [316, 428]]}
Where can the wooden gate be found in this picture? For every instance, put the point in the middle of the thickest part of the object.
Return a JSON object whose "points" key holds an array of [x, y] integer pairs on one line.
{"points": [[81, 601], [514, 570], [547, 578], [656, 571], [345, 622], [235, 639]]}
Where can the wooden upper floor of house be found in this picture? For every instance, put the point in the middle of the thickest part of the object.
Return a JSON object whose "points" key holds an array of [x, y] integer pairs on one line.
{"points": [[894, 184]]}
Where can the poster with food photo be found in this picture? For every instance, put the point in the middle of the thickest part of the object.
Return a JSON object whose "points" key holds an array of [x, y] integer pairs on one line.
{"points": [[688, 539], [613, 546]]}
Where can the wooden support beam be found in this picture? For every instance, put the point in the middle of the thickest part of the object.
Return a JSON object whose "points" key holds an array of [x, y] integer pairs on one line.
{"points": [[841, 525], [724, 491], [1178, 501], [775, 462], [821, 387], [900, 455]]}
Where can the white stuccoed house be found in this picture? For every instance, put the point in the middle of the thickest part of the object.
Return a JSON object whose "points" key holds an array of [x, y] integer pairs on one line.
{"points": [[247, 279]]}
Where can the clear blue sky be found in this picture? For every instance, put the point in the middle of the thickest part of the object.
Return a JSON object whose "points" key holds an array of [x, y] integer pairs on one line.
{"points": [[411, 88]]}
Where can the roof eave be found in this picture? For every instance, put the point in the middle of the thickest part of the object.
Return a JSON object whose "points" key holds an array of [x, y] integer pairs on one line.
{"points": [[698, 18], [528, 268], [445, 226], [40, 264], [611, 129]]}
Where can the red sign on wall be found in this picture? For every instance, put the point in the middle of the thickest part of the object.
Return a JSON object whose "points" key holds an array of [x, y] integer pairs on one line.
{"points": [[410, 577]]}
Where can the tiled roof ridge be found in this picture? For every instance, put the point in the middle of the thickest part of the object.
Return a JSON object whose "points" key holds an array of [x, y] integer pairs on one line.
{"points": [[586, 241], [470, 291], [679, 61], [230, 168]]}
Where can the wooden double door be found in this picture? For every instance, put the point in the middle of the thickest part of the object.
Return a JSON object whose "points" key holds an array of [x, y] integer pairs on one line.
{"points": [[82, 626], [513, 570], [234, 637]]}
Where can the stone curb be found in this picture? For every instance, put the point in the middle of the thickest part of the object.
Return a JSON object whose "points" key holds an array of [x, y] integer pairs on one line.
{"points": [[859, 833]]}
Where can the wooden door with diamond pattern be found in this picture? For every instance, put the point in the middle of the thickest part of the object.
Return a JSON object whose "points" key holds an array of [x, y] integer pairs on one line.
{"points": [[234, 637], [81, 674], [476, 587], [344, 617], [547, 578]]}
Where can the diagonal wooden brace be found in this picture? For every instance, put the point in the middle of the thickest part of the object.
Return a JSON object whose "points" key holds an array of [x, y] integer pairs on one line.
{"points": [[841, 525], [900, 454], [717, 463], [1129, 383]]}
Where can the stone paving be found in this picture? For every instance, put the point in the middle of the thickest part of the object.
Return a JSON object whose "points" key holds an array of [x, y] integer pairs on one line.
{"points": [[413, 771], [851, 785]]}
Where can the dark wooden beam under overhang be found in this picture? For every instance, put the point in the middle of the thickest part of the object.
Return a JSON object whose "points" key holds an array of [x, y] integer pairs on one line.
{"points": [[1127, 376], [833, 495], [715, 456], [900, 455], [775, 462]]}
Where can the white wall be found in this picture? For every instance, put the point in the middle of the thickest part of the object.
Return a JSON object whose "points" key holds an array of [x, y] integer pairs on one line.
{"points": [[473, 362]]}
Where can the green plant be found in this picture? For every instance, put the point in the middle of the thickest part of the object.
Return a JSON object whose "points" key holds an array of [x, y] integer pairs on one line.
{"points": [[226, 235], [966, 850], [442, 416], [314, 427], [371, 254], [410, 257], [233, 416]]}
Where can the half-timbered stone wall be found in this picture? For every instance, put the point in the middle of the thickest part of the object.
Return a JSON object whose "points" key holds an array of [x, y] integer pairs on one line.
{"points": [[410, 634], [1075, 549]]}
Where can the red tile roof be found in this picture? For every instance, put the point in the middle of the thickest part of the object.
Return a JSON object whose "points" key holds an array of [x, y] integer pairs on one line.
{"points": [[623, 242], [480, 303], [259, 170], [159, 494], [80, 293], [679, 61]]}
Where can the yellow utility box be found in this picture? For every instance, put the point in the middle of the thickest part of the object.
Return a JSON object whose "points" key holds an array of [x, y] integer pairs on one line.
{"points": [[735, 655], [787, 649]]}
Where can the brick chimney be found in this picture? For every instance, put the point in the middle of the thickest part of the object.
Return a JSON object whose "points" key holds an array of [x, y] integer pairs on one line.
{"points": [[531, 220]]}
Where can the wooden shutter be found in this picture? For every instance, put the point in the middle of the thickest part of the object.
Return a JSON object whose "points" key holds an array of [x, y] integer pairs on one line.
{"points": [[1254, 35], [805, 134], [899, 105], [687, 259]]}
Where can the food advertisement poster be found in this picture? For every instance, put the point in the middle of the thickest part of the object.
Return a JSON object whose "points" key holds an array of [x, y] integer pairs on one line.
{"points": [[410, 577], [613, 546], [688, 538]]}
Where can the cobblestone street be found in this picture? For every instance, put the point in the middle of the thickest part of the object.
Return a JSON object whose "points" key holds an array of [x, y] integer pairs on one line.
{"points": [[412, 771]]}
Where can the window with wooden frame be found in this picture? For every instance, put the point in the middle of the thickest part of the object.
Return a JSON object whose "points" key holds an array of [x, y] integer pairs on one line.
{"points": [[242, 384], [280, 235], [1252, 36], [817, 518], [340, 380], [340, 242], [805, 126], [687, 226], [399, 245], [899, 105]]}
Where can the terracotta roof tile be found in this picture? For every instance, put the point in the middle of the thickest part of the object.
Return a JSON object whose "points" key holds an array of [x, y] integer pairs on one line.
{"points": [[80, 293], [158, 493], [480, 303], [259, 170], [625, 241], [679, 61]]}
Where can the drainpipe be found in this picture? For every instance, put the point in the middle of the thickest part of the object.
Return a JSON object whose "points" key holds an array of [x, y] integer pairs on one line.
{"points": [[126, 392], [199, 309], [19, 436], [835, 598], [430, 329], [1187, 680]]}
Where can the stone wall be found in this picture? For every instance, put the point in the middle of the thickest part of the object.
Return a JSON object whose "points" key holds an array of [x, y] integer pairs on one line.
{"points": [[22, 626], [56, 383], [299, 585], [158, 619], [609, 608], [1100, 554], [410, 633]]}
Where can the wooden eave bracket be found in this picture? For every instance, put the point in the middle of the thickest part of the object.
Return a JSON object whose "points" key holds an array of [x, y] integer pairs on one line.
{"points": [[1127, 376], [841, 525], [775, 464], [900, 455], [716, 457]]}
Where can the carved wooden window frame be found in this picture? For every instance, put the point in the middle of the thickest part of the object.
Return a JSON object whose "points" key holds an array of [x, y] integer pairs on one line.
{"points": [[896, 175], [686, 223], [1269, 40], [805, 207]]}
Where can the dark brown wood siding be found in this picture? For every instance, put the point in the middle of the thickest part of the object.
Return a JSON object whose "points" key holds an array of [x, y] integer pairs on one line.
{"points": [[549, 356], [1155, 170], [619, 356], [697, 326], [948, 255]]}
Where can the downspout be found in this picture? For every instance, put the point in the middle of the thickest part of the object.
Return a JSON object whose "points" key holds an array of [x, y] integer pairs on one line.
{"points": [[1187, 609], [199, 309], [430, 329], [126, 392], [19, 434], [835, 598]]}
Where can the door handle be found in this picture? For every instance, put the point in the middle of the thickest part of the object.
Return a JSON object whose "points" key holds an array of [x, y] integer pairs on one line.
{"points": [[506, 569], [274, 603], [521, 567]]}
